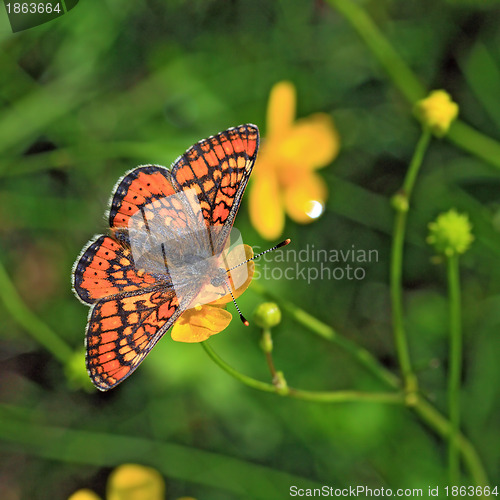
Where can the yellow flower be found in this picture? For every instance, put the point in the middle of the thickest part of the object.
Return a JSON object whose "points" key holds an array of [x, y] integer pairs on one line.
{"points": [[135, 482], [129, 482], [203, 321], [84, 495], [437, 112], [284, 177]]}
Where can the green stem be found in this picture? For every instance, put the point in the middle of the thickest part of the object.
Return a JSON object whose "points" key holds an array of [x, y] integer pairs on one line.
{"points": [[475, 142], [443, 427], [455, 368], [463, 135], [416, 162], [266, 344], [396, 266], [361, 355], [317, 396], [270, 365], [399, 72], [22, 435], [44, 335], [417, 403]]}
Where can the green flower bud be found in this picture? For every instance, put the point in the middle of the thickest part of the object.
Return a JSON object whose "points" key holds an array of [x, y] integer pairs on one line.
{"points": [[267, 315], [400, 202], [266, 341], [450, 234]]}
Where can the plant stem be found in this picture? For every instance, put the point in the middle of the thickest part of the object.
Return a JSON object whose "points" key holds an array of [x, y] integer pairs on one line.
{"points": [[415, 163], [442, 426], [396, 266], [425, 411], [420, 407], [317, 396], [455, 369], [24, 435], [403, 78], [399, 72], [41, 332], [270, 364], [361, 355]]}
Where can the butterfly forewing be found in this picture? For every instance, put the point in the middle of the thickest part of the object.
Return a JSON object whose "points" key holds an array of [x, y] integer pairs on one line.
{"points": [[218, 168]]}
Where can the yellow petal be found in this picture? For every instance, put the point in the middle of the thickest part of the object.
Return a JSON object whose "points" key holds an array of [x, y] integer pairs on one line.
{"points": [[135, 482], [200, 323], [305, 197], [280, 109], [250, 269], [84, 495], [312, 143], [266, 209]]}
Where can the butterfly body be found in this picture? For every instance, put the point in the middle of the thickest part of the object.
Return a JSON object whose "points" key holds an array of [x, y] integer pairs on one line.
{"points": [[166, 251]]}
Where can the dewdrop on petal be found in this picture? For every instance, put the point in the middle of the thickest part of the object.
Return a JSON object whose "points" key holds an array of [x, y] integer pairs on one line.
{"points": [[436, 112], [450, 234], [267, 315]]}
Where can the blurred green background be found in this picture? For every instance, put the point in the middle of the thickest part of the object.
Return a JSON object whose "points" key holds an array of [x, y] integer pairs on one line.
{"points": [[114, 84]]}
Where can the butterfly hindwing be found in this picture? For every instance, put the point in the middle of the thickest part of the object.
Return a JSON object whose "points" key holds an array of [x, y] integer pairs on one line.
{"points": [[122, 331]]}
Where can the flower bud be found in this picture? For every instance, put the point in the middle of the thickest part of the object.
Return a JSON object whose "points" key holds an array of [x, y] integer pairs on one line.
{"points": [[436, 112], [266, 341], [450, 234], [267, 315], [400, 202]]}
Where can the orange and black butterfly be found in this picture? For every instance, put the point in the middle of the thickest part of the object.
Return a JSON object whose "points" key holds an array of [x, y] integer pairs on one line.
{"points": [[127, 277]]}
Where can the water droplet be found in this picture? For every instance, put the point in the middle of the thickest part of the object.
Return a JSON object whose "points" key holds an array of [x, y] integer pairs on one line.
{"points": [[316, 208]]}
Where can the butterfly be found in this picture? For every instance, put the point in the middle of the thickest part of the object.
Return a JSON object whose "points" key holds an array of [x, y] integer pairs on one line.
{"points": [[165, 226]]}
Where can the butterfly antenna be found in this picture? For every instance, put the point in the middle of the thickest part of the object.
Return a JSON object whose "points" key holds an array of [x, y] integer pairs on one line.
{"points": [[275, 247], [284, 243], [243, 319]]}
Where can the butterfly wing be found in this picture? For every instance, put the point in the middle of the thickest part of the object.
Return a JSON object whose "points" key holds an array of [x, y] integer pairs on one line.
{"points": [[106, 268], [218, 169], [123, 329], [136, 189], [132, 309]]}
